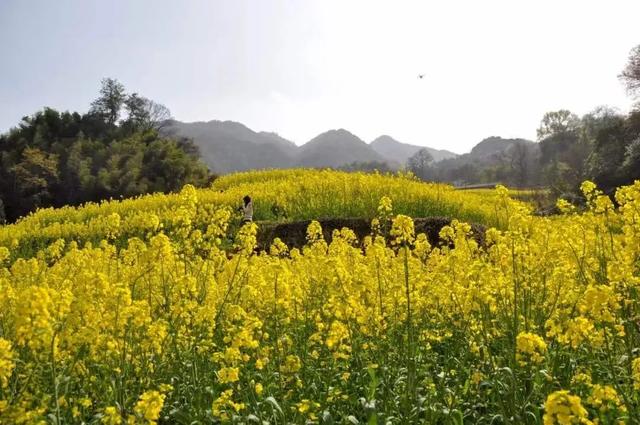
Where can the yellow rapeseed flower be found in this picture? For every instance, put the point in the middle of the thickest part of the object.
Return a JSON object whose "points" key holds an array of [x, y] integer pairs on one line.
{"points": [[6, 362], [635, 367], [562, 408], [149, 406], [530, 348], [228, 374], [110, 416], [402, 230]]}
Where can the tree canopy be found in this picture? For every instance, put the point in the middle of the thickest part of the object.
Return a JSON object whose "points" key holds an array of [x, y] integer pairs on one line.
{"points": [[603, 146], [631, 73], [419, 163], [114, 150]]}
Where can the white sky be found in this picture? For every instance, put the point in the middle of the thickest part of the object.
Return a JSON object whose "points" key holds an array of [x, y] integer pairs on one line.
{"points": [[300, 68]]}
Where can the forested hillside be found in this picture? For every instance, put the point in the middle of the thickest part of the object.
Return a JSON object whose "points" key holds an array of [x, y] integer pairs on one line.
{"points": [[603, 146], [400, 152], [228, 146], [114, 150]]}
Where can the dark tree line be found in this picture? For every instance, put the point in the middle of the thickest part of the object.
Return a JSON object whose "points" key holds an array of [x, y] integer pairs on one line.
{"points": [[114, 150], [603, 146], [514, 162]]}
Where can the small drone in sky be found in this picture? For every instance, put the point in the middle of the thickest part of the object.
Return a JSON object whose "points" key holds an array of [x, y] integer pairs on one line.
{"points": [[421, 76]]}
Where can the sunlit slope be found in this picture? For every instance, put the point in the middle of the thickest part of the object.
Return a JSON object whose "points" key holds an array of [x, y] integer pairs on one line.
{"points": [[278, 195]]}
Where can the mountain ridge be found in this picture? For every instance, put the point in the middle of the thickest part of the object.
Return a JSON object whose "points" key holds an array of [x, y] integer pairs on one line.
{"points": [[229, 146], [335, 148], [389, 147]]}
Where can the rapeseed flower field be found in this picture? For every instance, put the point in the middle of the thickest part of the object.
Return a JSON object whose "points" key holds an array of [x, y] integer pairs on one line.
{"points": [[278, 195], [143, 311]]}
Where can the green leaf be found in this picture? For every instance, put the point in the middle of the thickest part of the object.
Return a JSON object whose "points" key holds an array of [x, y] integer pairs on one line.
{"points": [[373, 419], [456, 417], [272, 401]]}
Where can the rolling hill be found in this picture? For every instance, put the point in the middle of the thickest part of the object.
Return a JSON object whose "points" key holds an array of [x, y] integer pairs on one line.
{"points": [[391, 149], [335, 148], [228, 146]]}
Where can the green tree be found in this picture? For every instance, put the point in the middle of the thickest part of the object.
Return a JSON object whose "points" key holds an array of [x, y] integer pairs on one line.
{"points": [[631, 73], [419, 163], [37, 173], [110, 102], [609, 141], [121, 174], [563, 150], [631, 163], [557, 122], [521, 161], [168, 168], [145, 114], [57, 158]]}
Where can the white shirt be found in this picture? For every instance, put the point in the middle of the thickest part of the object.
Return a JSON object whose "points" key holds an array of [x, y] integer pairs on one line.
{"points": [[248, 211]]}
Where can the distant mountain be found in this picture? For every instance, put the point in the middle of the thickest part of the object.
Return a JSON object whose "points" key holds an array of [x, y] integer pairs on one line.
{"points": [[335, 148], [492, 146], [494, 159], [277, 139], [488, 151], [399, 152], [227, 146]]}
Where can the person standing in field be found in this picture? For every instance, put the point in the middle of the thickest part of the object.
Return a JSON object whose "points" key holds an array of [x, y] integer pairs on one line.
{"points": [[246, 209]]}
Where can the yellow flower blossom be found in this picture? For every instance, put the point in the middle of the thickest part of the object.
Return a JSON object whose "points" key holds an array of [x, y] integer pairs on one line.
{"points": [[110, 416], [605, 397], [530, 348], [292, 364], [6, 362], [228, 374], [402, 230], [259, 388], [635, 367], [149, 406], [562, 408]]}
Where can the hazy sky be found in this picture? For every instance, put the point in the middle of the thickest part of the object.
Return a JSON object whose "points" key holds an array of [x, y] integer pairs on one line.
{"points": [[302, 67]]}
